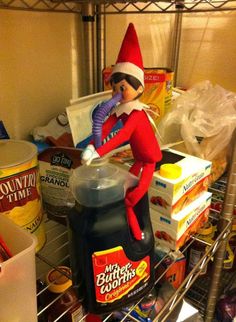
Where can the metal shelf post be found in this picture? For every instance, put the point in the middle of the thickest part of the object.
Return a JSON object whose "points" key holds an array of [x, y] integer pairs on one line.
{"points": [[228, 208]]}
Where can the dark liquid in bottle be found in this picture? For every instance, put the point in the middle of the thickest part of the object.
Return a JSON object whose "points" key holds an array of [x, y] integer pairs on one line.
{"points": [[110, 269]]}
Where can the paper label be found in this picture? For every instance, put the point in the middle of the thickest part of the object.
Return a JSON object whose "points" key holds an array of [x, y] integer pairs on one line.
{"points": [[20, 198], [115, 275]]}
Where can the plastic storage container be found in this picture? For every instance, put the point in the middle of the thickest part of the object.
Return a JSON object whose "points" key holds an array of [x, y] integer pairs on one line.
{"points": [[18, 275]]}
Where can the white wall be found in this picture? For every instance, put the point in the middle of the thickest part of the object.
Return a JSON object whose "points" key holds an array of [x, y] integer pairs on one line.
{"points": [[41, 57], [37, 68], [154, 33], [207, 48]]}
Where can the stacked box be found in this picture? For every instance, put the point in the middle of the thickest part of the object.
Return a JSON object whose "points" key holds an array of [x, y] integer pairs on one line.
{"points": [[170, 196], [174, 231], [179, 207]]}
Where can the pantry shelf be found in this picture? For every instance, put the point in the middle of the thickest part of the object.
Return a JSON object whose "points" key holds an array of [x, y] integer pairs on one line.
{"points": [[120, 7], [57, 248], [197, 294], [45, 263]]}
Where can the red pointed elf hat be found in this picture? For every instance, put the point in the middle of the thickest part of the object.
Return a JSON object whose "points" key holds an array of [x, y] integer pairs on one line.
{"points": [[130, 60]]}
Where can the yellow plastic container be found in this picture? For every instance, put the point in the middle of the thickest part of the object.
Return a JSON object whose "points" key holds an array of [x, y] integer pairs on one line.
{"points": [[170, 171], [20, 196], [18, 275]]}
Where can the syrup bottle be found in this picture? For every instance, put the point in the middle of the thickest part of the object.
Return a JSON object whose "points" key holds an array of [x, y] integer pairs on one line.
{"points": [[110, 269]]}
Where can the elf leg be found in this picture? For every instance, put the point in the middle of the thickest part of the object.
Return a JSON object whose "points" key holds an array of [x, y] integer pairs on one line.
{"points": [[133, 196], [131, 217], [133, 223], [136, 168]]}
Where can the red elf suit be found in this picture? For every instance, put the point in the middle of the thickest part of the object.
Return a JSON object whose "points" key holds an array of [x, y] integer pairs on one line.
{"points": [[136, 128]]}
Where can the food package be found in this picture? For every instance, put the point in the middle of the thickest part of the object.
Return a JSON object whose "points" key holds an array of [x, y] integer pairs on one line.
{"points": [[55, 167], [157, 92], [172, 263], [174, 232]]}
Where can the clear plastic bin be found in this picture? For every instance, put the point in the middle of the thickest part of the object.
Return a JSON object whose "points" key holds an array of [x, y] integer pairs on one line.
{"points": [[18, 275]]}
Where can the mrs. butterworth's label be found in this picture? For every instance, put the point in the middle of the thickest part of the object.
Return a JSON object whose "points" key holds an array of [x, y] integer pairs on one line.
{"points": [[115, 276]]}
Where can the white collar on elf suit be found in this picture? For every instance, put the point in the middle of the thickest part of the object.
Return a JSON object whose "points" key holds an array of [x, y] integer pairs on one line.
{"points": [[128, 107]]}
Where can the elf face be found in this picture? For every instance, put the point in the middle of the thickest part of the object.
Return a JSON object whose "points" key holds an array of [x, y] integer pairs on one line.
{"points": [[128, 92]]}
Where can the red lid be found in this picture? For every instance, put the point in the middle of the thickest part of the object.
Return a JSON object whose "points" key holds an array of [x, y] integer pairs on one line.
{"points": [[93, 318]]}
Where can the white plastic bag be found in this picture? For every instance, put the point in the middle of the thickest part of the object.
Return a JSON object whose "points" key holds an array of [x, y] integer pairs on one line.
{"points": [[204, 117]]}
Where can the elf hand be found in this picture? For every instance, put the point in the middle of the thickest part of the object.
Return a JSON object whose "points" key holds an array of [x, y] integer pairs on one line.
{"points": [[89, 154]]}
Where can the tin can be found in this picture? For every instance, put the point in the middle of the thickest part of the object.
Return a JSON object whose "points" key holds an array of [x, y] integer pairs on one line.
{"points": [[20, 197]]}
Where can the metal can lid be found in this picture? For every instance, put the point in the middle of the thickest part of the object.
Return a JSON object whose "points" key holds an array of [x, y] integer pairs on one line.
{"points": [[58, 279], [15, 152], [170, 171]]}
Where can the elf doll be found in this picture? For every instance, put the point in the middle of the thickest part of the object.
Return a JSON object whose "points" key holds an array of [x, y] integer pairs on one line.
{"points": [[127, 81]]}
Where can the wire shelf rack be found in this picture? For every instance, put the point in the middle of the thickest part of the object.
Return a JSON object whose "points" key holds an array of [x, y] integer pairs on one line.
{"points": [[120, 7], [195, 289]]}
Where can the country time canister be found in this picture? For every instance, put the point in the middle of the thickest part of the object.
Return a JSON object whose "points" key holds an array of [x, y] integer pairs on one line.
{"points": [[20, 196]]}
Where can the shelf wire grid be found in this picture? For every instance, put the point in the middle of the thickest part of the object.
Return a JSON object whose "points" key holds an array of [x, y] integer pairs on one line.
{"points": [[198, 293], [120, 7], [225, 220], [190, 287], [169, 6]]}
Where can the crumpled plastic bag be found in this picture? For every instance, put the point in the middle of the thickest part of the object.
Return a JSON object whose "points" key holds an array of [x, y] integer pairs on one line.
{"points": [[204, 117]]}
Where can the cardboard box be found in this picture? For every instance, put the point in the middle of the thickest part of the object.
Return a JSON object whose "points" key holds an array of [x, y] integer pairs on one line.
{"points": [[176, 272], [175, 231], [194, 170], [172, 264], [158, 90], [164, 203], [80, 117]]}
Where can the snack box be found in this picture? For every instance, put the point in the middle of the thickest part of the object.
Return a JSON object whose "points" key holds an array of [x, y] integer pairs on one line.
{"points": [[175, 231], [157, 92], [163, 202], [170, 265], [169, 196]]}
